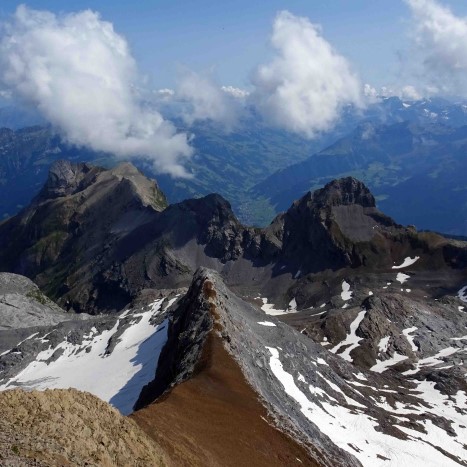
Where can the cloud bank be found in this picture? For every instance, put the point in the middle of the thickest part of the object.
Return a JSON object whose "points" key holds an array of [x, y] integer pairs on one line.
{"points": [[206, 100], [80, 74], [440, 46], [305, 86]]}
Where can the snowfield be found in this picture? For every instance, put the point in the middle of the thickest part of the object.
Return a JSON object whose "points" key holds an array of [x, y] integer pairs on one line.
{"points": [[117, 377]]}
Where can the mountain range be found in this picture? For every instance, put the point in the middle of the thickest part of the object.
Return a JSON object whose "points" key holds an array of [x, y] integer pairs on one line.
{"points": [[416, 173], [398, 148], [333, 336]]}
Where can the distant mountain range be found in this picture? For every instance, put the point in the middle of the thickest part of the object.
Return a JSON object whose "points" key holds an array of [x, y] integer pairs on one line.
{"points": [[417, 173], [409, 153]]}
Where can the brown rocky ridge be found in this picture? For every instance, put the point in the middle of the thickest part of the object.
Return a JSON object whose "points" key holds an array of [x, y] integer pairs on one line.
{"points": [[70, 428]]}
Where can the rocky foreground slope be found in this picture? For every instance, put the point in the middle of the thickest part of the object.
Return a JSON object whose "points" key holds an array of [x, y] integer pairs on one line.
{"points": [[342, 414], [232, 384], [69, 428]]}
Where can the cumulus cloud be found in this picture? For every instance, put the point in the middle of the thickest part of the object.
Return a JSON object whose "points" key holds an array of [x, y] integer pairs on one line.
{"points": [[440, 46], [206, 100], [80, 75], [305, 86]]}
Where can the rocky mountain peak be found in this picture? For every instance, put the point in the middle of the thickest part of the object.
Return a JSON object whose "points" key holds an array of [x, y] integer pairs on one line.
{"points": [[211, 206], [146, 189], [65, 178], [344, 192]]}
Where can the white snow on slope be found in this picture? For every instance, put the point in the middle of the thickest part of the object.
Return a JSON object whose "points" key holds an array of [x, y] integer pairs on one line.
{"points": [[401, 277], [116, 378], [352, 340], [462, 294], [383, 365], [346, 293], [410, 338], [384, 344], [407, 262], [292, 305], [432, 361], [267, 323], [345, 427], [269, 309]]}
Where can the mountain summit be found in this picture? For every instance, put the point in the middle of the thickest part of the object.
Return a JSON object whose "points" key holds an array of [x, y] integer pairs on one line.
{"points": [[94, 238]]}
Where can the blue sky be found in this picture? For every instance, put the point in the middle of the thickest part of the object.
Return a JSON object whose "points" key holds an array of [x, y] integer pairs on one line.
{"points": [[95, 70], [231, 37]]}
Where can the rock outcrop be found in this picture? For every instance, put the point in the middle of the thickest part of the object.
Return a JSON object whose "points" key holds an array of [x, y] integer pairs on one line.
{"points": [[316, 396], [68, 427], [23, 305]]}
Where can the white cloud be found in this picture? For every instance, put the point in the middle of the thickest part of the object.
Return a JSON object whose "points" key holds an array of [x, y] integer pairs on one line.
{"points": [[165, 93], [305, 86], [80, 74], [371, 94], [410, 93], [235, 92], [206, 100], [407, 92], [440, 46]]}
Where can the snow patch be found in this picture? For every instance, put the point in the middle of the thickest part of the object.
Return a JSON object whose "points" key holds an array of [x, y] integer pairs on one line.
{"points": [[401, 277], [266, 323], [292, 305], [346, 293], [410, 338], [459, 338], [407, 262], [431, 361], [462, 294], [383, 365], [352, 340], [384, 344], [269, 309]]}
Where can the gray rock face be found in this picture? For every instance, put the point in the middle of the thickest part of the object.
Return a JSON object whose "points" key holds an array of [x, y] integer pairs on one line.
{"points": [[344, 192], [23, 305], [350, 416], [66, 178]]}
